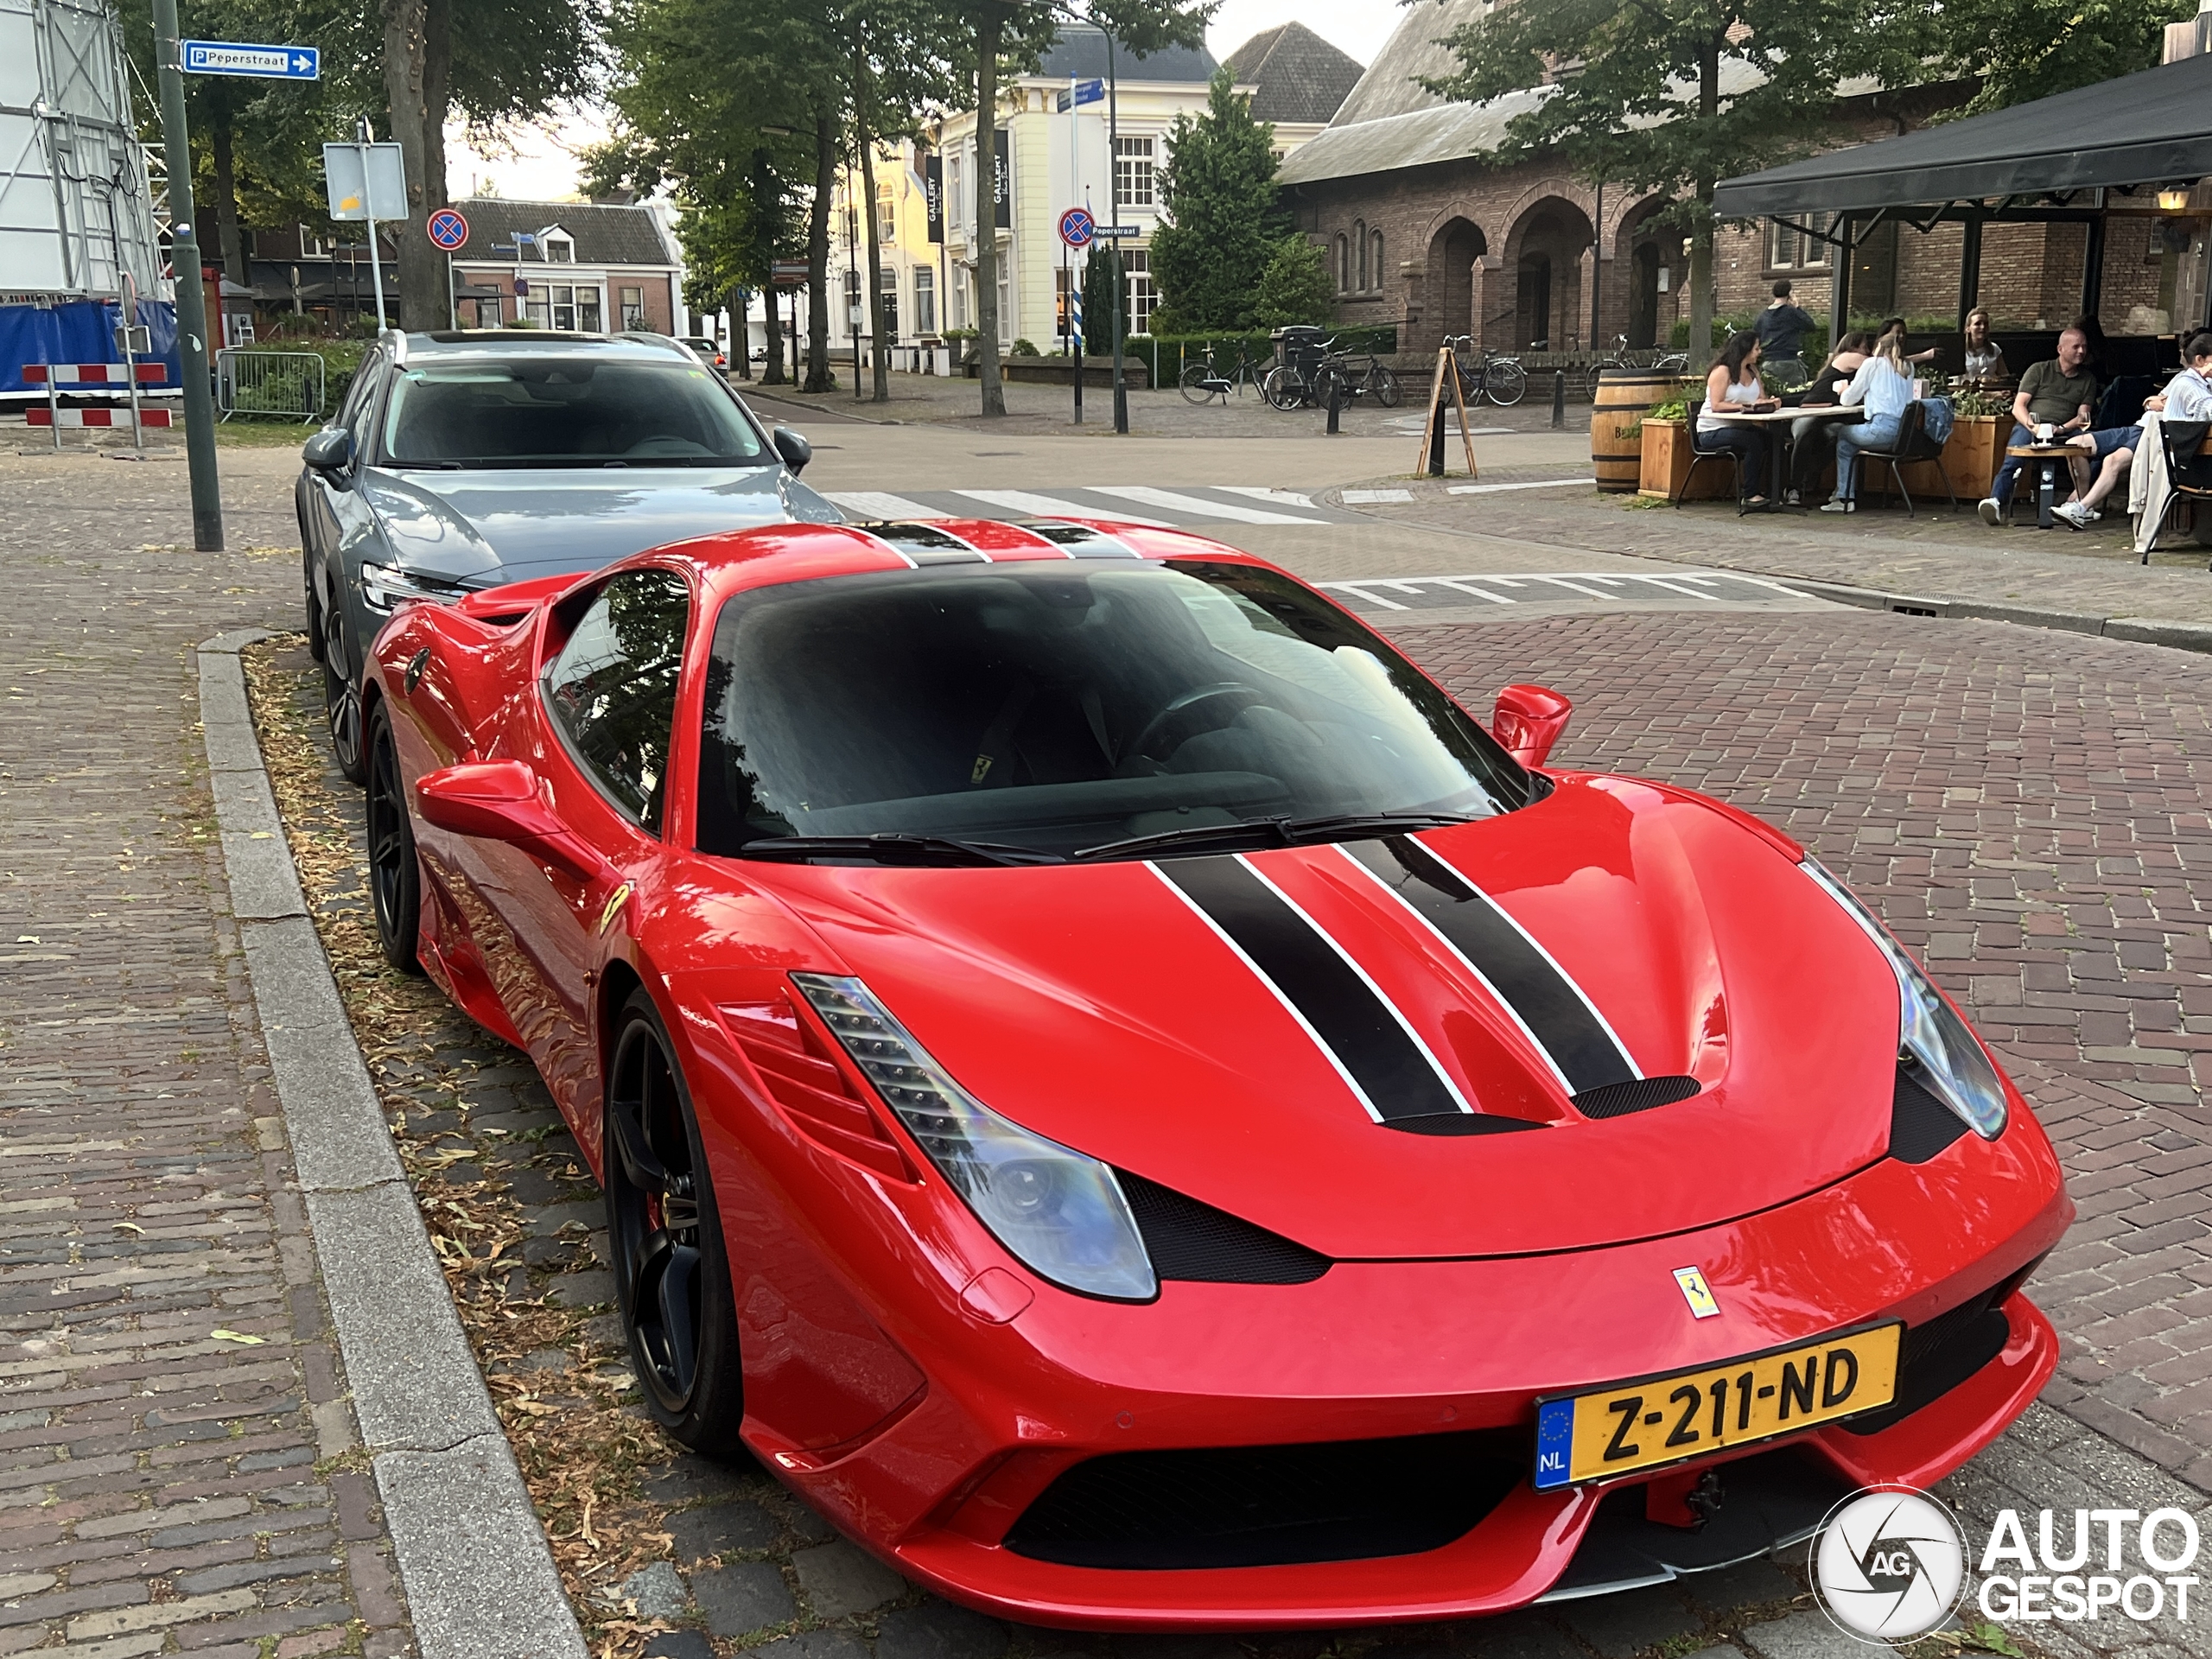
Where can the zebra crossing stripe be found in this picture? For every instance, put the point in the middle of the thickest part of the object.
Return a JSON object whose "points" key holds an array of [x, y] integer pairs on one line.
{"points": [[879, 506], [1196, 506], [1047, 506]]}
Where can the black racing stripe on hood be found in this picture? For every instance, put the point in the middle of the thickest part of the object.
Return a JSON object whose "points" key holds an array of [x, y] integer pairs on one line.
{"points": [[1361, 1032], [927, 544], [1549, 1004]]}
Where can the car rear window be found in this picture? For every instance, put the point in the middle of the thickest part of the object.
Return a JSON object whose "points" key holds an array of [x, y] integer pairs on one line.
{"points": [[565, 412], [1052, 707]]}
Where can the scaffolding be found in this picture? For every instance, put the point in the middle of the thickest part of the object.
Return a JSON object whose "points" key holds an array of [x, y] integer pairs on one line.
{"points": [[76, 206]]}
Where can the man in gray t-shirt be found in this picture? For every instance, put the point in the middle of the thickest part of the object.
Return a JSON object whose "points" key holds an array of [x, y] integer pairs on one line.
{"points": [[1782, 328]]}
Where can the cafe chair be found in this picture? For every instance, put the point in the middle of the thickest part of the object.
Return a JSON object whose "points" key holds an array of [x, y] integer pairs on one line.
{"points": [[1699, 457], [2188, 473], [1912, 443]]}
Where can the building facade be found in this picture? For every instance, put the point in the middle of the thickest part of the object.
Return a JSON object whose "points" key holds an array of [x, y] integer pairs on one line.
{"points": [[596, 267]]}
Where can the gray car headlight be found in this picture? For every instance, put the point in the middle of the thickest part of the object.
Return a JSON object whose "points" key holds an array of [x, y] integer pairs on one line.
{"points": [[1061, 1213], [1951, 1062], [386, 588]]}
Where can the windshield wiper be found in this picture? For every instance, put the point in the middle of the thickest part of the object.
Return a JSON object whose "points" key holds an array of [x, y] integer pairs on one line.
{"points": [[1253, 832], [892, 849]]}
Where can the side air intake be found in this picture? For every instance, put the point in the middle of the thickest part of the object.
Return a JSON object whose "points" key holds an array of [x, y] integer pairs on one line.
{"points": [[1920, 1125]]}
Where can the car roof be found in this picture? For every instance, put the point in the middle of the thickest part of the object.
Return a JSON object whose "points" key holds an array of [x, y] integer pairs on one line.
{"points": [[465, 345]]}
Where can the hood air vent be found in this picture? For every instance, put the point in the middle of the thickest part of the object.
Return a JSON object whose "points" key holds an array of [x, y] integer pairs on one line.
{"points": [[1636, 1095]]}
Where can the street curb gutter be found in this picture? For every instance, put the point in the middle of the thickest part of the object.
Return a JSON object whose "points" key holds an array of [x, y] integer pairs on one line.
{"points": [[2137, 630], [479, 1579]]}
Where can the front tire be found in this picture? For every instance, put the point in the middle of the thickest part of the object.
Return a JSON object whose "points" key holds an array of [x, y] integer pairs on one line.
{"points": [[1507, 383], [671, 1271], [1282, 389], [395, 874], [341, 697], [1384, 385]]}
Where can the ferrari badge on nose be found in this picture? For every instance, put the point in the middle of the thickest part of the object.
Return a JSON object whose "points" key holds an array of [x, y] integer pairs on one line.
{"points": [[1697, 1293]]}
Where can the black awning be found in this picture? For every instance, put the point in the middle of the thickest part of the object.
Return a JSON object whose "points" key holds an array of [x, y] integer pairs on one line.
{"points": [[2152, 128]]}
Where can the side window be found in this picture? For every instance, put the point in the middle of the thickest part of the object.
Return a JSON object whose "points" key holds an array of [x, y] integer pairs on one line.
{"points": [[360, 399], [611, 690]]}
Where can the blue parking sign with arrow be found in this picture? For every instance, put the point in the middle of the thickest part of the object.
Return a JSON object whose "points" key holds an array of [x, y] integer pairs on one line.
{"points": [[261, 62]]}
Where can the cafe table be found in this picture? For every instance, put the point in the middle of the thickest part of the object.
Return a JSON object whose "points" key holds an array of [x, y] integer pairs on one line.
{"points": [[2046, 457], [1785, 418]]}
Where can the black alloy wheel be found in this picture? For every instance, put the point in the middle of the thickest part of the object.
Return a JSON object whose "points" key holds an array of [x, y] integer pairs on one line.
{"points": [[341, 697], [671, 1274], [394, 876]]}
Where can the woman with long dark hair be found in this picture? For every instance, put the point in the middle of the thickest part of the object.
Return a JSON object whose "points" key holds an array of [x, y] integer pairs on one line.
{"points": [[1734, 383]]}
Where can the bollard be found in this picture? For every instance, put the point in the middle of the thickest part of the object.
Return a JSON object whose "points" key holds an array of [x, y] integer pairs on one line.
{"points": [[1335, 401], [1436, 442], [1559, 398]]}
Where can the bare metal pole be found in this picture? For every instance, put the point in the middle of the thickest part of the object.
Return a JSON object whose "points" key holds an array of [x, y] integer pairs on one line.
{"points": [[191, 298]]}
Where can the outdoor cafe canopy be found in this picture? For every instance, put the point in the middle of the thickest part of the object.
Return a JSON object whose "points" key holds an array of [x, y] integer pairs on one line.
{"points": [[2147, 129]]}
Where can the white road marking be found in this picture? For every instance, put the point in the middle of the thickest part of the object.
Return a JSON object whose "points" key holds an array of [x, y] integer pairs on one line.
{"points": [[1479, 593], [1260, 492], [1359, 591], [877, 505], [1362, 498], [1196, 506], [1047, 506], [1538, 484]]}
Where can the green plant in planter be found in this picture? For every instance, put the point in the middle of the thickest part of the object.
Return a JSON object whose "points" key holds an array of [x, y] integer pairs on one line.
{"points": [[1972, 404]]}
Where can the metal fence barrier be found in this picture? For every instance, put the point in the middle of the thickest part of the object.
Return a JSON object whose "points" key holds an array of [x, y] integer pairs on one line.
{"points": [[288, 384]]}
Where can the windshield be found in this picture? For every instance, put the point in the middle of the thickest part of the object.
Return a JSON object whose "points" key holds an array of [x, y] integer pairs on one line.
{"points": [[1054, 707], [565, 411]]}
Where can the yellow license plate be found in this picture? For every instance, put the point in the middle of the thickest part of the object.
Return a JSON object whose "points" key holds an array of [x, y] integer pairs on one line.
{"points": [[1661, 1420]]}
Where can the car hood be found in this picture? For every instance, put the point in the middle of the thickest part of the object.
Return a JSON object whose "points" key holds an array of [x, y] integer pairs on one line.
{"points": [[498, 525], [1096, 1004]]}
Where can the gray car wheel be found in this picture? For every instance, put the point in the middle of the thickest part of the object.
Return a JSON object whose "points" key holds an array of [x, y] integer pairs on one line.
{"points": [[341, 697]]}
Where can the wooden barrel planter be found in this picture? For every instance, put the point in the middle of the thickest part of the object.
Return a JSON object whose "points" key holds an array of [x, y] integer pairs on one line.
{"points": [[1616, 446]]}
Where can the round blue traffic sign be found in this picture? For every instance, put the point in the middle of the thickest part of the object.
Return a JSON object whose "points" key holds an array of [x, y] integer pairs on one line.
{"points": [[1077, 227], [448, 229]]}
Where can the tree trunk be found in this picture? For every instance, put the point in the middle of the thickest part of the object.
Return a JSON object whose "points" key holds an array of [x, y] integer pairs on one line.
{"points": [[989, 19], [739, 339], [875, 329], [817, 253], [228, 239], [772, 367], [1702, 296], [418, 79]]}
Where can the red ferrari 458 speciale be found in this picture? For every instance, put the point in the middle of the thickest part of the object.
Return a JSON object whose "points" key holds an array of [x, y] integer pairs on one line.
{"points": [[1145, 1112]]}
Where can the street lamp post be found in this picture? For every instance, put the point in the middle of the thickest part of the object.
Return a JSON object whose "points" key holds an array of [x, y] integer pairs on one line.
{"points": [[1121, 275]]}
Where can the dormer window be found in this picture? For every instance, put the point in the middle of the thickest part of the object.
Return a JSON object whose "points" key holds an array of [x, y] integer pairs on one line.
{"points": [[557, 245]]}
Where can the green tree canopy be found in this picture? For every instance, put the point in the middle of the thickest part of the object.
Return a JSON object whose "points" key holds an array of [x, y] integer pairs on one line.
{"points": [[2020, 50], [1295, 286], [1218, 187]]}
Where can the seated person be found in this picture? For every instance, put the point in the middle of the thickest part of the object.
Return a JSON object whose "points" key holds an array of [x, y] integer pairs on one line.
{"points": [[1896, 326], [1734, 383], [2114, 448], [2187, 396], [1813, 439], [2052, 404], [1983, 360], [1883, 387]]}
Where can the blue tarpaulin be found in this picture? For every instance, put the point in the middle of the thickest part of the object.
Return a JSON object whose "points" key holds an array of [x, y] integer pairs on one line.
{"points": [[80, 331]]}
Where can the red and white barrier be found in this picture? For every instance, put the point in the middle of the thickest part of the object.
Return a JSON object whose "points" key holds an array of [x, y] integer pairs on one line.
{"points": [[92, 374], [38, 416]]}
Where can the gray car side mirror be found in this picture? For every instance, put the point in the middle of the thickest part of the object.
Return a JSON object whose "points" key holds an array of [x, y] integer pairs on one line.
{"points": [[330, 451], [795, 450]]}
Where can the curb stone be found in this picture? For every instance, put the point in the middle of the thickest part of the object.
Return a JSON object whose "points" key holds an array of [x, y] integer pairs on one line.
{"points": [[479, 1579], [2138, 630]]}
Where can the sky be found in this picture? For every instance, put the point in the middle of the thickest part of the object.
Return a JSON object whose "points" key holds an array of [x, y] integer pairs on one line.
{"points": [[536, 161]]}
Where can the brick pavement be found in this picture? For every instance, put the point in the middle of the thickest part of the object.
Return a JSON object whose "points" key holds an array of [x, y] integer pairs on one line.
{"points": [[2033, 818], [177, 1470]]}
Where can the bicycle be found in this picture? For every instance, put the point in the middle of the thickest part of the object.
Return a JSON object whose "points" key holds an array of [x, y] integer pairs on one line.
{"points": [[1501, 379], [1289, 385], [1204, 380], [1374, 380]]}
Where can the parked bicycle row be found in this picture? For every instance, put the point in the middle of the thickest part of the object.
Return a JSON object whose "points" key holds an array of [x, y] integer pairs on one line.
{"points": [[1310, 371]]}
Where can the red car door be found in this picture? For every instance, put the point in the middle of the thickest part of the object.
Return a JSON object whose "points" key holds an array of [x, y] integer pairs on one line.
{"points": [[598, 737]]}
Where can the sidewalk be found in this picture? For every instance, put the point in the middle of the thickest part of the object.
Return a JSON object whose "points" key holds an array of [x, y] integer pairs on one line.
{"points": [[179, 1464]]}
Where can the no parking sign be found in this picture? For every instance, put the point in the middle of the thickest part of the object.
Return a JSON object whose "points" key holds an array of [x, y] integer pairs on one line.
{"points": [[448, 229], [1077, 227]]}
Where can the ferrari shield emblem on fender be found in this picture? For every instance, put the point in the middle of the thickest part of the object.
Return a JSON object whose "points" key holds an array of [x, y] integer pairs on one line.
{"points": [[1697, 1293]]}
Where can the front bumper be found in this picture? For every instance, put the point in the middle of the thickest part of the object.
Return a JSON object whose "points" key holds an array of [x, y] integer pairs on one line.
{"points": [[1374, 1350]]}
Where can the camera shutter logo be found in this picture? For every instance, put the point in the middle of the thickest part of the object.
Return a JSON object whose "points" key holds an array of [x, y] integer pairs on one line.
{"points": [[1888, 1564]]}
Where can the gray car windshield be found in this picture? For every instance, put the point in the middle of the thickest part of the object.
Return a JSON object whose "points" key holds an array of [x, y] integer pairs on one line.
{"points": [[1055, 708], [565, 411]]}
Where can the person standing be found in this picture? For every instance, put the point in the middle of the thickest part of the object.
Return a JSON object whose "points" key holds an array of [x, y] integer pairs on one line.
{"points": [[2053, 403], [1782, 328], [1883, 387]]}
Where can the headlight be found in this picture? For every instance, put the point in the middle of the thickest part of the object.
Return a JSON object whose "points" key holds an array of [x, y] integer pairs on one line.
{"points": [[1061, 1213], [386, 588], [1949, 1061]]}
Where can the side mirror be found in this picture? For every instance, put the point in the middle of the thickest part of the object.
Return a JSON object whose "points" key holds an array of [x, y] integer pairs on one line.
{"points": [[500, 800], [330, 451], [795, 450], [1529, 720]]}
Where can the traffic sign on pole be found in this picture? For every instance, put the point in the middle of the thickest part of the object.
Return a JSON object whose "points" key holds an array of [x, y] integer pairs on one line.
{"points": [[1077, 227], [262, 62], [448, 229]]}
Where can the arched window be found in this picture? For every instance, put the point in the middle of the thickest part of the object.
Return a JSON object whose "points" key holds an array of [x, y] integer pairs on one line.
{"points": [[1359, 235], [1377, 239], [1344, 266]]}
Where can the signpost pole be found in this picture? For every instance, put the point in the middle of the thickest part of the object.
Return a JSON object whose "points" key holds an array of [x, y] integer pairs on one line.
{"points": [[369, 217], [191, 296], [1120, 278], [127, 303]]}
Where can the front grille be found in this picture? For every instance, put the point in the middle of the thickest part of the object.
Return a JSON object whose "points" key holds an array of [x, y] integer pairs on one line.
{"points": [[1636, 1095], [1271, 1505], [1920, 1125], [1936, 1357], [1189, 1240]]}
